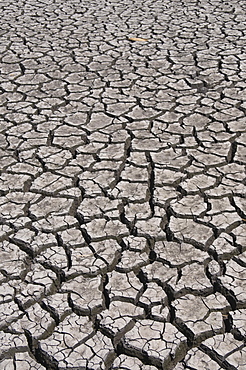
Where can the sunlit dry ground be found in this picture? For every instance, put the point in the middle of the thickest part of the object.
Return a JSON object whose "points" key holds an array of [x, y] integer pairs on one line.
{"points": [[122, 185]]}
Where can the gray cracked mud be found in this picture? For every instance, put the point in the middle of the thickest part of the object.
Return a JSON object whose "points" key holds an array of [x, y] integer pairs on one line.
{"points": [[122, 185]]}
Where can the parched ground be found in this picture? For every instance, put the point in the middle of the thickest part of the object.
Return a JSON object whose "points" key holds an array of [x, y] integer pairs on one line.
{"points": [[122, 183]]}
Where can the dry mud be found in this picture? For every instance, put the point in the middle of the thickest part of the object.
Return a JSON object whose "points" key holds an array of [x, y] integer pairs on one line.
{"points": [[122, 209]]}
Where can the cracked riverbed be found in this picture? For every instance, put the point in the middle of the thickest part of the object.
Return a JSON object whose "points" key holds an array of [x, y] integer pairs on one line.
{"points": [[122, 183]]}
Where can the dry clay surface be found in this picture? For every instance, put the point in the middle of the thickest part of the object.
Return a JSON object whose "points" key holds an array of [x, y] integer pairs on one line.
{"points": [[122, 183]]}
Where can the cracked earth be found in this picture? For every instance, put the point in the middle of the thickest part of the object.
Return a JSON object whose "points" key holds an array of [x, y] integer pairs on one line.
{"points": [[123, 204]]}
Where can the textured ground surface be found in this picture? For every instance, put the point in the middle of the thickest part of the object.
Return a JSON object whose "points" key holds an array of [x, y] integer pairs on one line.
{"points": [[122, 185]]}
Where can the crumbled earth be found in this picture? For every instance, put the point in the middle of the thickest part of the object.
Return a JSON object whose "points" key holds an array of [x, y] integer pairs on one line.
{"points": [[123, 204]]}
